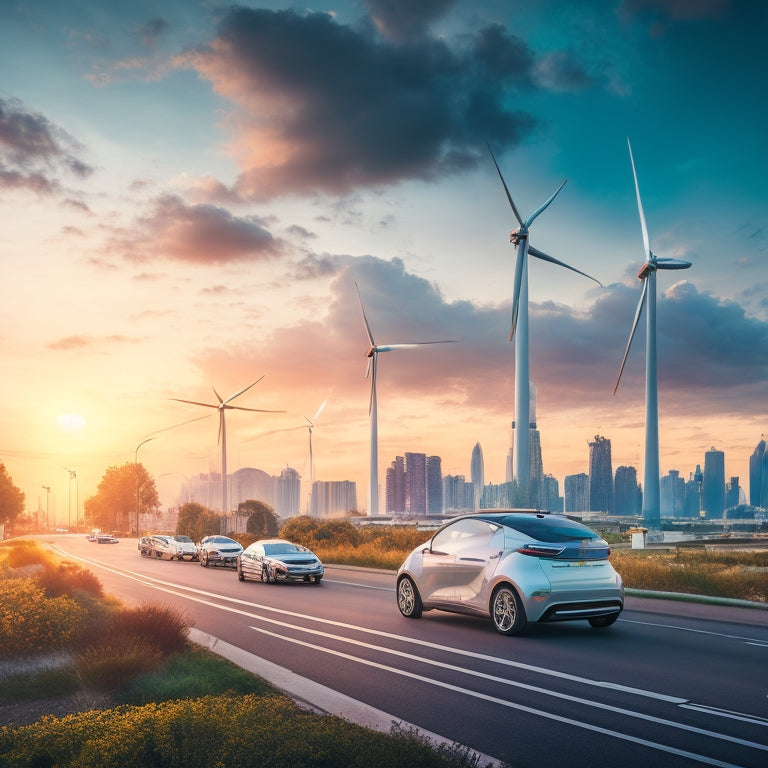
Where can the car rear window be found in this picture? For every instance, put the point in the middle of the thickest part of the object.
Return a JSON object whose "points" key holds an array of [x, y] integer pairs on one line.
{"points": [[555, 529]]}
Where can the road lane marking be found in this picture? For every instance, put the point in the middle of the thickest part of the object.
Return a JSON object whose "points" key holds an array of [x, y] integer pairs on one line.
{"points": [[749, 640], [522, 707]]}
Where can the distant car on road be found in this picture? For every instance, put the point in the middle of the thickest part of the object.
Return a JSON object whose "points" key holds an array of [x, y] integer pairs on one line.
{"points": [[218, 550], [106, 538], [272, 560], [514, 568], [173, 547], [145, 546]]}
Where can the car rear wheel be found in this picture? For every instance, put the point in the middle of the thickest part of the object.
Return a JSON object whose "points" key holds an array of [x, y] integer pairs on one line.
{"points": [[603, 621], [265, 574], [240, 574], [408, 599], [507, 611], [204, 561]]}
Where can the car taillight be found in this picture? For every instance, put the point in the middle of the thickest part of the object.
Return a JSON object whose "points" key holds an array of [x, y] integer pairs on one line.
{"points": [[541, 550]]}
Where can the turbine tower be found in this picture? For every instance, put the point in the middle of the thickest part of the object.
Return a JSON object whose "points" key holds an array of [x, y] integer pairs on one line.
{"points": [[647, 274], [372, 355], [519, 330], [223, 406], [310, 427]]}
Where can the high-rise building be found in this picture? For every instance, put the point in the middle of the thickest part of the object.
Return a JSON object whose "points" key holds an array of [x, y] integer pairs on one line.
{"points": [[732, 493], [672, 494], [758, 476], [334, 498], [434, 486], [477, 473], [395, 487], [550, 494], [713, 491], [627, 496], [600, 475], [416, 483], [288, 494], [692, 504], [576, 488], [458, 495]]}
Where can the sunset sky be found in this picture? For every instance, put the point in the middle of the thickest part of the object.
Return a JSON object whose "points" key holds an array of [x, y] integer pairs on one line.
{"points": [[189, 192]]}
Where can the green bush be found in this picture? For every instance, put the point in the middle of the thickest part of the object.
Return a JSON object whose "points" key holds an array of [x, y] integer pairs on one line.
{"points": [[29, 621], [65, 579], [116, 663], [236, 732]]}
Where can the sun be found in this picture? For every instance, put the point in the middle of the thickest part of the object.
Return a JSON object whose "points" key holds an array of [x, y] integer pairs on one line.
{"points": [[72, 422]]}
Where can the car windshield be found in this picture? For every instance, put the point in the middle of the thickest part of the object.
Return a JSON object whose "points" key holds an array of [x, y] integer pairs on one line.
{"points": [[283, 548], [183, 539], [219, 540], [553, 528]]}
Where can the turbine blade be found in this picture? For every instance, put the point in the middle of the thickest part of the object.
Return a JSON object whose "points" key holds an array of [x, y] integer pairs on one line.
{"points": [[670, 263], [543, 256], [189, 421], [245, 389], [646, 241], [544, 205], [373, 387], [255, 410], [365, 319], [638, 312], [319, 411], [221, 427], [218, 396], [368, 367], [412, 344], [504, 183], [521, 255], [193, 402]]}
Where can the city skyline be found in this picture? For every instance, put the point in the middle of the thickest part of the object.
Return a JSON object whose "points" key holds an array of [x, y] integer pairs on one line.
{"points": [[183, 205]]}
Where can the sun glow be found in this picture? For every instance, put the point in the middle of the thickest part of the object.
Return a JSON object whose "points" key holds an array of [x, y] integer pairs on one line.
{"points": [[72, 422]]}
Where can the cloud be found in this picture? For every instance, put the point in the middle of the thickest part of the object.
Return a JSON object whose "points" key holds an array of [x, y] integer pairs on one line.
{"points": [[197, 234], [707, 348], [33, 150], [83, 341], [323, 107], [405, 20]]}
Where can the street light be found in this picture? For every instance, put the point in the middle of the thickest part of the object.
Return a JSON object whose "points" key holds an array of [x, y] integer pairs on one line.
{"points": [[47, 499], [138, 484], [72, 476]]}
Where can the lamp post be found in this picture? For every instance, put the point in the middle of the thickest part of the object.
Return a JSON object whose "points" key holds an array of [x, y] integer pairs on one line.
{"points": [[138, 484], [72, 476], [47, 488]]}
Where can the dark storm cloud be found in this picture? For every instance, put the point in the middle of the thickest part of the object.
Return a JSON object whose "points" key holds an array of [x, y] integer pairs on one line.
{"points": [[199, 234], [33, 150], [327, 108], [406, 19]]}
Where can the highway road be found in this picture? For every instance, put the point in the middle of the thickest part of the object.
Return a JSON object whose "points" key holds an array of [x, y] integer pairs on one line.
{"points": [[669, 684]]}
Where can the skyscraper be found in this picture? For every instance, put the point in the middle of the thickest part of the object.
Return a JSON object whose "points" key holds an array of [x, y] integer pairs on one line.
{"points": [[713, 491], [758, 477], [732, 493], [627, 494], [288, 496], [478, 481], [333, 498], [576, 489], [458, 495], [692, 506], [416, 483], [672, 494], [600, 475], [434, 486], [395, 487]]}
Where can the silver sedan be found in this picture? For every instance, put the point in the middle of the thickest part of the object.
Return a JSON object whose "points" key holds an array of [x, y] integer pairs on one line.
{"points": [[514, 568], [272, 560]]}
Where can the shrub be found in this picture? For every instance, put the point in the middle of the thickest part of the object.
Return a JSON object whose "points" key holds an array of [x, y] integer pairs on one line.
{"points": [[66, 579], [300, 530], [116, 663], [22, 552], [29, 621], [338, 532]]}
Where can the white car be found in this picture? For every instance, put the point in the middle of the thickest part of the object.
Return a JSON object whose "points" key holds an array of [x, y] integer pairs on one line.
{"points": [[173, 547], [272, 560], [218, 550]]}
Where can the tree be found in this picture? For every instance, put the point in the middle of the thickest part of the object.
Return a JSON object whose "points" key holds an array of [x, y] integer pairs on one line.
{"points": [[123, 493], [300, 529], [262, 520], [339, 532], [197, 521], [11, 497]]}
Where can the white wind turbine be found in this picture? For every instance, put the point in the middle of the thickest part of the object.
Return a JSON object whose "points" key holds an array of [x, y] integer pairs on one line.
{"points": [[647, 274], [310, 427], [519, 330], [222, 407], [372, 355]]}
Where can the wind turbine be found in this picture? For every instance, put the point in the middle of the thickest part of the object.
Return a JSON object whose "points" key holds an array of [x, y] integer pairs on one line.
{"points": [[370, 371], [647, 274], [310, 427], [519, 329], [223, 406]]}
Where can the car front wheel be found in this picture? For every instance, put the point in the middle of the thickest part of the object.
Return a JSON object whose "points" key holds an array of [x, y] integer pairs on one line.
{"points": [[603, 621], [240, 574], [408, 599], [507, 611]]}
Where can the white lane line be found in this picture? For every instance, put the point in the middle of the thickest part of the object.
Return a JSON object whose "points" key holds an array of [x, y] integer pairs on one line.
{"points": [[744, 718], [511, 705], [411, 640], [511, 683], [724, 635]]}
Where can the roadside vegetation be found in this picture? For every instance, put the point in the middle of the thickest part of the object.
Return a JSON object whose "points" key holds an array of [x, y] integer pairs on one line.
{"points": [[143, 696]]}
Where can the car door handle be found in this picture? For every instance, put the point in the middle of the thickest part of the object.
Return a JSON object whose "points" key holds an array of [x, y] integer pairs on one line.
{"points": [[473, 559], [498, 554]]}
